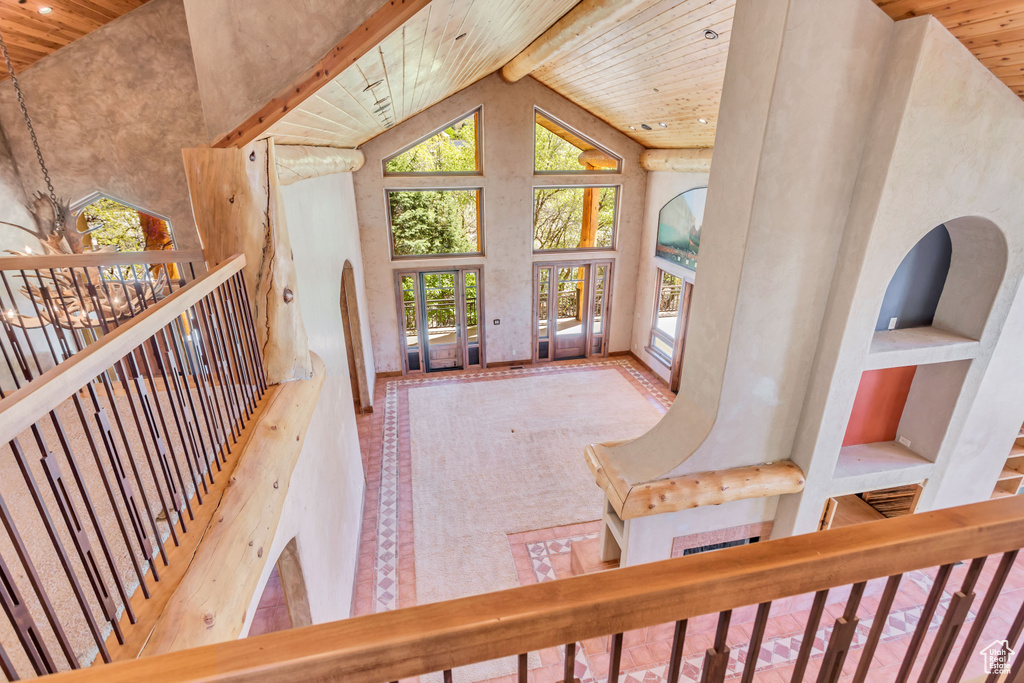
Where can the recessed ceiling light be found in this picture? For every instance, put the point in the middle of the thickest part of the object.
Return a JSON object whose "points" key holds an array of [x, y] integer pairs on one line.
{"points": [[460, 36], [632, 127], [663, 125], [710, 35], [645, 126], [45, 10], [702, 120], [373, 85]]}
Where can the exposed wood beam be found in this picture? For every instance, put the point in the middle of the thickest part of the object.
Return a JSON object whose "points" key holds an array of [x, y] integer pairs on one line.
{"points": [[692, 160], [596, 159], [590, 17], [298, 162], [379, 26]]}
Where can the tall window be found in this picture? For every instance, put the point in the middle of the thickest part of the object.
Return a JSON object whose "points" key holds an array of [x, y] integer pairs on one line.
{"points": [[453, 149], [574, 217], [434, 222], [665, 328]]}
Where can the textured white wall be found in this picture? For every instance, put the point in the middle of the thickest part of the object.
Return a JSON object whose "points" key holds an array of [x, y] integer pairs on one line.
{"points": [[508, 181], [662, 187], [325, 502]]}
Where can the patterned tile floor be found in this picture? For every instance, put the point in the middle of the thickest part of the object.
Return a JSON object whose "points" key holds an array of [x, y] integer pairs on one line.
{"points": [[387, 575]]}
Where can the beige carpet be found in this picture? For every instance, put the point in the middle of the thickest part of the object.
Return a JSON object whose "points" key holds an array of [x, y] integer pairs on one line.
{"points": [[498, 457]]}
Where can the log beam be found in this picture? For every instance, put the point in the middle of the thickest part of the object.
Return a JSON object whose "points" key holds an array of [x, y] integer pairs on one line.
{"points": [[687, 491], [690, 160], [588, 18], [595, 159], [299, 162], [238, 209]]}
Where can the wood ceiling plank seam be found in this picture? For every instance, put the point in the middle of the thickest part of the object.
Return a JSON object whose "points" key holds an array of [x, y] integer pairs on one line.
{"points": [[41, 26], [387, 84], [370, 70], [1005, 47], [642, 17], [65, 19], [31, 45], [989, 27], [415, 31], [317, 122], [659, 72], [461, 10], [954, 15], [358, 123], [718, 9], [1008, 59], [90, 10], [437, 31], [352, 87], [335, 94], [666, 35], [296, 127], [1004, 73], [993, 39], [908, 9], [28, 32], [423, 37], [658, 89]]}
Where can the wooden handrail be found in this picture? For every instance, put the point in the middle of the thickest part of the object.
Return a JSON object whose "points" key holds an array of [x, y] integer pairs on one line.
{"points": [[100, 259], [21, 409], [409, 642]]}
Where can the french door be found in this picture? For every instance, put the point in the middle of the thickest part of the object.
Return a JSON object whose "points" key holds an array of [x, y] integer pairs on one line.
{"points": [[439, 311], [570, 309]]}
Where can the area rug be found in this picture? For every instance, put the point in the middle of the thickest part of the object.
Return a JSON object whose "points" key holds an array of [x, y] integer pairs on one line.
{"points": [[505, 456]]}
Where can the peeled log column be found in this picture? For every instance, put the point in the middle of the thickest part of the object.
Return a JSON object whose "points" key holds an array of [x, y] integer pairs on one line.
{"points": [[238, 209], [690, 160], [299, 162]]}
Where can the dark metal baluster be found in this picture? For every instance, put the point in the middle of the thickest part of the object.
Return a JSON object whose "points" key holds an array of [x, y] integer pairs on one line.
{"points": [[756, 638], [675, 662], [616, 662], [46, 336], [51, 530], [36, 583], [213, 355], [244, 346], [984, 612], [523, 668], [205, 363], [24, 626], [234, 382], [877, 624], [1011, 641], [234, 352], [817, 607], [956, 615], [205, 400], [249, 329], [189, 412], [132, 460], [6, 667], [569, 670], [447, 676], [941, 577], [24, 332], [842, 637], [174, 494], [716, 659]]}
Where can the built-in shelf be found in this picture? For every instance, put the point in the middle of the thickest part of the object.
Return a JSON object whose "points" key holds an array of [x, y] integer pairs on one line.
{"points": [[918, 346], [876, 466]]}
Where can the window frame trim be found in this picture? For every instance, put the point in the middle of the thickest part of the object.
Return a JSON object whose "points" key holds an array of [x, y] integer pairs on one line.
{"points": [[481, 237], [618, 170], [582, 250]]}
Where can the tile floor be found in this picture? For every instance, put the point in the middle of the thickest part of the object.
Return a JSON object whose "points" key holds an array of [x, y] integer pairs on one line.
{"points": [[272, 611], [387, 573]]}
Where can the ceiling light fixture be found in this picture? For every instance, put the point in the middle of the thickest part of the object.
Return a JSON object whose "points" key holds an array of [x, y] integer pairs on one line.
{"points": [[45, 10], [645, 126], [460, 36], [383, 99], [702, 121], [710, 34], [632, 127], [373, 85], [663, 125]]}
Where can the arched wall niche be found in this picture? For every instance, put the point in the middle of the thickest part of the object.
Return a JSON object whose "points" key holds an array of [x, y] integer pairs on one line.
{"points": [[949, 279]]}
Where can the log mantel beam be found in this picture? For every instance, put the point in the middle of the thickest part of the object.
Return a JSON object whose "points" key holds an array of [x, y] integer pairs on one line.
{"points": [[588, 18]]}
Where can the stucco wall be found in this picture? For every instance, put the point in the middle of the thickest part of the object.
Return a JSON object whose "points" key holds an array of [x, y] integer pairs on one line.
{"points": [[113, 111], [323, 510], [508, 182], [662, 187], [247, 51]]}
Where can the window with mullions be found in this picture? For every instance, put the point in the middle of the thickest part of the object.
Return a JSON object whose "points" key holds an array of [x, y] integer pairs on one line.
{"points": [[665, 327], [453, 149], [434, 222], [574, 218]]}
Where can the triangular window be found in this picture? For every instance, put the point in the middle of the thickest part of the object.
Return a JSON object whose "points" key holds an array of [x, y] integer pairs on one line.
{"points": [[453, 148], [560, 149]]}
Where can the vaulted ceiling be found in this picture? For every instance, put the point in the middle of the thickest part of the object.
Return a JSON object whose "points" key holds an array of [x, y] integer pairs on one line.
{"points": [[31, 34], [992, 29]]}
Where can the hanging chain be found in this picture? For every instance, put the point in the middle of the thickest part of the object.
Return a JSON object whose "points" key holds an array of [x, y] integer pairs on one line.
{"points": [[32, 133]]}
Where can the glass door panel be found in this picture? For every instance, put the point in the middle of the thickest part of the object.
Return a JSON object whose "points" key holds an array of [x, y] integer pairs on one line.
{"points": [[597, 335], [410, 322], [571, 308], [470, 297], [570, 328], [441, 315], [544, 312]]}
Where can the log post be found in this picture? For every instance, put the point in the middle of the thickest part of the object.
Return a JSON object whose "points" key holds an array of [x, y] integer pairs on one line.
{"points": [[237, 205]]}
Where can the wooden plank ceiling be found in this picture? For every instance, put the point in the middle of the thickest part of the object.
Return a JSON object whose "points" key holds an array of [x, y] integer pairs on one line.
{"points": [[447, 46], [656, 68], [992, 29], [30, 36]]}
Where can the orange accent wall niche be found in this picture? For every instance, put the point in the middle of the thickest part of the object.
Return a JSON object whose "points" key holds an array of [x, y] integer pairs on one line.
{"points": [[877, 410]]}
